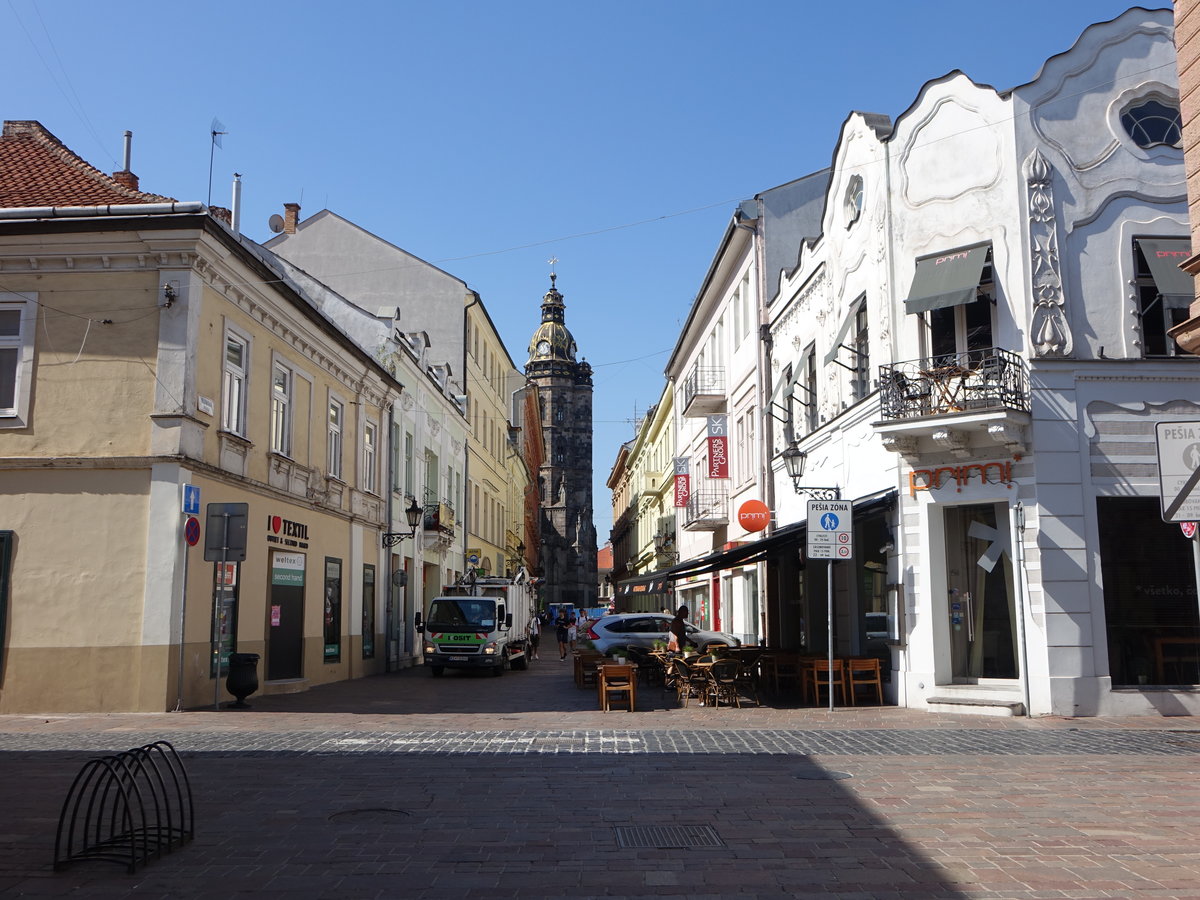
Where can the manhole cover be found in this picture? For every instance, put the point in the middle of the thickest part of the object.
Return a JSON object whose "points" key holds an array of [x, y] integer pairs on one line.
{"points": [[667, 837], [822, 775], [369, 816]]}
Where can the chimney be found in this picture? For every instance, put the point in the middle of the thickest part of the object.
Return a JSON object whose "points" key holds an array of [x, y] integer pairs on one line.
{"points": [[125, 177], [236, 218], [291, 215]]}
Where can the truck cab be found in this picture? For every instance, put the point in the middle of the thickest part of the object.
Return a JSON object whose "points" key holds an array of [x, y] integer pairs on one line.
{"points": [[472, 627]]}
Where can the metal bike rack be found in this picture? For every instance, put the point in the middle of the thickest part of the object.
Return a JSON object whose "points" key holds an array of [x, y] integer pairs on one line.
{"points": [[127, 808]]}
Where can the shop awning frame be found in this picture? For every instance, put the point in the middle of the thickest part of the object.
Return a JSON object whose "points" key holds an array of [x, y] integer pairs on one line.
{"points": [[948, 279]]}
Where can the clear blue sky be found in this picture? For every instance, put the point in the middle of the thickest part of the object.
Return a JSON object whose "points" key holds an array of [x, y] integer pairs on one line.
{"points": [[486, 137]]}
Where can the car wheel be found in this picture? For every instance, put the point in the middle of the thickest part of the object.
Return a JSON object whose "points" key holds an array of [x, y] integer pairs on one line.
{"points": [[437, 671]]}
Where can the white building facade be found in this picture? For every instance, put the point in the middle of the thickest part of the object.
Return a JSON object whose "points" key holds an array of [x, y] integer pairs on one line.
{"points": [[974, 352]]}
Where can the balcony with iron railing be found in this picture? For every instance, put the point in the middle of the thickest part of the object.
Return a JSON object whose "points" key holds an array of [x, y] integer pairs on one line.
{"points": [[439, 514], [978, 390], [704, 391], [707, 508]]}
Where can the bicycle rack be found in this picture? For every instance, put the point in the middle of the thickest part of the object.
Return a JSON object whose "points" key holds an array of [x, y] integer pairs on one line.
{"points": [[126, 808]]}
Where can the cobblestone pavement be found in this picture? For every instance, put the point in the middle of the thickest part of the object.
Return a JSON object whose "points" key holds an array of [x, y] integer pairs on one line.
{"points": [[471, 786]]}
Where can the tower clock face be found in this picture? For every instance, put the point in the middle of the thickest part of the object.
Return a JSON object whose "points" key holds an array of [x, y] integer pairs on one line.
{"points": [[543, 348]]}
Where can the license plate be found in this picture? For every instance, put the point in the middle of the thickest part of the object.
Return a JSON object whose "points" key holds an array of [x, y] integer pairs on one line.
{"points": [[458, 659]]}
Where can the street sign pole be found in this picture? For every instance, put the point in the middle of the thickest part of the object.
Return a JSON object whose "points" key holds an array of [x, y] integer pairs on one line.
{"points": [[218, 602], [829, 537]]}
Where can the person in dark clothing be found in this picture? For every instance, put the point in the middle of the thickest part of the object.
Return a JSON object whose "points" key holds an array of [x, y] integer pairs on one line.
{"points": [[561, 631], [678, 628]]}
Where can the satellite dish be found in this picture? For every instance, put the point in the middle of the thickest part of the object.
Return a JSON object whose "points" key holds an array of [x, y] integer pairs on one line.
{"points": [[275, 223], [217, 129]]}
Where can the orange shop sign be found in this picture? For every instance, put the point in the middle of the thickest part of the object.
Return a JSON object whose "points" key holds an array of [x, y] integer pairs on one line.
{"points": [[753, 515]]}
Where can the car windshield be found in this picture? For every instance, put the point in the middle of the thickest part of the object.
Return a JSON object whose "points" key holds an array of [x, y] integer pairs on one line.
{"points": [[462, 614]]}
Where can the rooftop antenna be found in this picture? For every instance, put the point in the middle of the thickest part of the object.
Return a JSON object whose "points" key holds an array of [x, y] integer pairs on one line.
{"points": [[216, 130]]}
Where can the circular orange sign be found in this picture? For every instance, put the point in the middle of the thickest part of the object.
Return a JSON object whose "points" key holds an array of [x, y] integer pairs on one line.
{"points": [[753, 515]]}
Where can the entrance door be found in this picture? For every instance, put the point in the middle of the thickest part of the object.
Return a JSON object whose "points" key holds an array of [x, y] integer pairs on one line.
{"points": [[979, 576], [285, 622]]}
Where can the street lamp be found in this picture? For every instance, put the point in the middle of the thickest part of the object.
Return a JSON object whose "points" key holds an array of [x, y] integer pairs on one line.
{"points": [[413, 513], [793, 463], [662, 541]]}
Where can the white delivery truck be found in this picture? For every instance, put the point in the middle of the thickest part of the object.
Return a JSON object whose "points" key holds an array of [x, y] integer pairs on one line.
{"points": [[480, 624]]}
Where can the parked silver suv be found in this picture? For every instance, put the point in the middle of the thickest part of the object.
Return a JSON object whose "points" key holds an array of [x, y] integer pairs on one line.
{"points": [[643, 629]]}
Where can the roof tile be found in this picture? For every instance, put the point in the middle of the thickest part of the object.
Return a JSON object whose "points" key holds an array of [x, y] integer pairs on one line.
{"points": [[36, 169]]}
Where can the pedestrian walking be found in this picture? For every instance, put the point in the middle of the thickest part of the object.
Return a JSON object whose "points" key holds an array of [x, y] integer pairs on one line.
{"points": [[561, 632], [535, 636], [572, 632]]}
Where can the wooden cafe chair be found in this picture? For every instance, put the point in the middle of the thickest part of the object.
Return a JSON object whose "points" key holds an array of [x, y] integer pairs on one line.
{"points": [[829, 678], [863, 673], [617, 678]]}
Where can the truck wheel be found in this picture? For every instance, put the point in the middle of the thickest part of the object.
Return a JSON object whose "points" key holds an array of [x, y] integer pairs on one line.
{"points": [[522, 662], [436, 671], [499, 670]]}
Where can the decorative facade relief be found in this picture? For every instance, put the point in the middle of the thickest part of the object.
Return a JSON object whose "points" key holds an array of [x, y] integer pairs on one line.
{"points": [[1051, 334]]}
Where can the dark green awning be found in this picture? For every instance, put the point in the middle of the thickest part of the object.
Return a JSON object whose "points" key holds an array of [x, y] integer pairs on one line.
{"points": [[947, 280], [1163, 256]]}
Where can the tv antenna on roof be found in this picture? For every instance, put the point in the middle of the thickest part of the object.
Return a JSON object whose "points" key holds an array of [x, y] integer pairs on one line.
{"points": [[216, 130]]}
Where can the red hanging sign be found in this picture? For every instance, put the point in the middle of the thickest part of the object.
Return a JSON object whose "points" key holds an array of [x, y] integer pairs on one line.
{"points": [[718, 447], [683, 488]]}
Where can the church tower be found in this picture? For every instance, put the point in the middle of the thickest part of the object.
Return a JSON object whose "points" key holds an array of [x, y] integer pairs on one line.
{"points": [[568, 551]]}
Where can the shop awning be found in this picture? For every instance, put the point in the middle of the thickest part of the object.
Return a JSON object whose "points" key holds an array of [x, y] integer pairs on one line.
{"points": [[947, 280], [651, 583], [753, 552], [1163, 256]]}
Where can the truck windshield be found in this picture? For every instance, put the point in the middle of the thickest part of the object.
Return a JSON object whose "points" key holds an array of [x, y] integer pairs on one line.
{"points": [[465, 613]]}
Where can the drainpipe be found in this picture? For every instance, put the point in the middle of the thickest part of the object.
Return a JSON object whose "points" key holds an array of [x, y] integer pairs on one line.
{"points": [[392, 592]]}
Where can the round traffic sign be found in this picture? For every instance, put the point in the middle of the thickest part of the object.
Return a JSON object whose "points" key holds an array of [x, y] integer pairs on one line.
{"points": [[1188, 529], [191, 531]]}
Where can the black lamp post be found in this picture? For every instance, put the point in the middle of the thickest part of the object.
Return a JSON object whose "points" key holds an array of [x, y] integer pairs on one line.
{"points": [[413, 513]]}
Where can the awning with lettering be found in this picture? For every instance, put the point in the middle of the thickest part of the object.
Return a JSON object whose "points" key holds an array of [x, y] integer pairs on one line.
{"points": [[1163, 256], [947, 279], [651, 583]]}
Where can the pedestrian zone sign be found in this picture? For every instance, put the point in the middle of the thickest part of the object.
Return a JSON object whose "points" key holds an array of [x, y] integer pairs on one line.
{"points": [[1179, 469], [830, 530]]}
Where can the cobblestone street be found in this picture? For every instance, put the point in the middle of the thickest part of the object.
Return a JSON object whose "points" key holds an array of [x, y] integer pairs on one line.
{"points": [[472, 786]]}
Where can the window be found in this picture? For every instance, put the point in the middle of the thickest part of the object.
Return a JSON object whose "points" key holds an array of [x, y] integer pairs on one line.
{"points": [[18, 315], [233, 387], [861, 384], [337, 414], [370, 455], [333, 610], [958, 334], [805, 393], [282, 380], [1164, 292], [368, 612], [394, 458], [409, 486], [1154, 122]]}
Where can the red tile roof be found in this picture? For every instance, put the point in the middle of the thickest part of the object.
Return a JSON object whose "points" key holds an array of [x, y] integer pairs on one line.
{"points": [[36, 169]]}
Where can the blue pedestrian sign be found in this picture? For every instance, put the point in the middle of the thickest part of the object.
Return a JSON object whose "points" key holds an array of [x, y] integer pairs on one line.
{"points": [[830, 530], [191, 500]]}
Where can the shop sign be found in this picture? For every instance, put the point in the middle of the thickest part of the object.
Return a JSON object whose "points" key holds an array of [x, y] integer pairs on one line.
{"points": [[682, 485], [718, 447], [287, 569], [933, 479], [287, 533], [753, 515]]}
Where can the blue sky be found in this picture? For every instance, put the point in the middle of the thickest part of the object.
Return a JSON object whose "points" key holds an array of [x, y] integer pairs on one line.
{"points": [[487, 137]]}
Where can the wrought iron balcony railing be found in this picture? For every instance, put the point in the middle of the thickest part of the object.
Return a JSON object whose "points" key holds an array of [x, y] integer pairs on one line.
{"points": [[707, 509], [975, 381], [704, 391]]}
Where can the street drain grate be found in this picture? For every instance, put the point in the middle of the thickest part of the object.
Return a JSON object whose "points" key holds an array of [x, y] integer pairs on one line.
{"points": [[381, 816], [822, 775], [666, 837]]}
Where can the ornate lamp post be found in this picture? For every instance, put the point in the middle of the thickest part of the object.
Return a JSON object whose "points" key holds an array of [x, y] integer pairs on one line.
{"points": [[793, 463], [413, 513]]}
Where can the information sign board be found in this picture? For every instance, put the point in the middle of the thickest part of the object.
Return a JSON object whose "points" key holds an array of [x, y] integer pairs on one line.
{"points": [[830, 530], [1179, 469]]}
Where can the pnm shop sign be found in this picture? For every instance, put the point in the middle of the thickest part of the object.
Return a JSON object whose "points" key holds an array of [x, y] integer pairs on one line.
{"points": [[933, 479], [287, 533]]}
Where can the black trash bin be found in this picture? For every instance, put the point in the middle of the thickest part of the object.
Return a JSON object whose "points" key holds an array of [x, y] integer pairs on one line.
{"points": [[242, 680]]}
